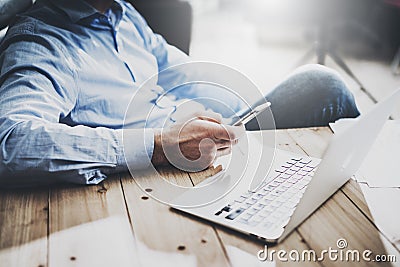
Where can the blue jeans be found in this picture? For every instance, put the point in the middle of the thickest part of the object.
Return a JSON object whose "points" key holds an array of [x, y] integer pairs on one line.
{"points": [[313, 95]]}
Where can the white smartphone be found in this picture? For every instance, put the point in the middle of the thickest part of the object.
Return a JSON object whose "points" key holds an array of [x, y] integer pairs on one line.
{"points": [[251, 114]]}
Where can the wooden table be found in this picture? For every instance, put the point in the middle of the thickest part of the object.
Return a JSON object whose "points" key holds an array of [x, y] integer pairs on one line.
{"points": [[116, 224]]}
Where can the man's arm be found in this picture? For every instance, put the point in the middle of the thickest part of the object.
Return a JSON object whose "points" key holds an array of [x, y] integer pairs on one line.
{"points": [[35, 94]]}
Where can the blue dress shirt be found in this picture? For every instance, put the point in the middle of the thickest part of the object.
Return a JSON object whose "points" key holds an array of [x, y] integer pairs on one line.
{"points": [[67, 75]]}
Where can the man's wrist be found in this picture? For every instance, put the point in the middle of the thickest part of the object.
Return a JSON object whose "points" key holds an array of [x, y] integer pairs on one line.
{"points": [[135, 148], [158, 158]]}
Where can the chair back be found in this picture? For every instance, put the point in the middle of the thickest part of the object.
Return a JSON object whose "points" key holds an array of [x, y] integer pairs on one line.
{"points": [[170, 18], [8, 10]]}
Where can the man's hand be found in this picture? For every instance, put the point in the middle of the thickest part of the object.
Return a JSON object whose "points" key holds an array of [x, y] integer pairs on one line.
{"points": [[194, 144]]}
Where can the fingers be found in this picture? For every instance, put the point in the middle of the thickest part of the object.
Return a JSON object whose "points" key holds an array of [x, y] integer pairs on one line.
{"points": [[214, 154], [223, 144], [228, 132], [194, 146], [209, 115], [218, 131]]}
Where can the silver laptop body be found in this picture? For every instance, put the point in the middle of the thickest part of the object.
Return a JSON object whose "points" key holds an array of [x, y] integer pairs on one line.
{"points": [[297, 185]]}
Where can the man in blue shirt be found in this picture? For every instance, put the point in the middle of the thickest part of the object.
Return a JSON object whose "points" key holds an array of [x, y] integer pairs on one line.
{"points": [[68, 72]]}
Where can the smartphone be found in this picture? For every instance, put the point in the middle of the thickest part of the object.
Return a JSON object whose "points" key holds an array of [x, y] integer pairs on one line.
{"points": [[251, 114]]}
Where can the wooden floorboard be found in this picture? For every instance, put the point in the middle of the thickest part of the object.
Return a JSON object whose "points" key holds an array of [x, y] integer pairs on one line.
{"points": [[89, 226], [377, 78], [23, 227], [160, 232]]}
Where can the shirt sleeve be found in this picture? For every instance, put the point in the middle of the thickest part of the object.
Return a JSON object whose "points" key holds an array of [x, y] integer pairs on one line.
{"points": [[37, 89]]}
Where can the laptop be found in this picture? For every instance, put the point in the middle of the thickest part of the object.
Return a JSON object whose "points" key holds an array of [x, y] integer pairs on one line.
{"points": [[296, 185]]}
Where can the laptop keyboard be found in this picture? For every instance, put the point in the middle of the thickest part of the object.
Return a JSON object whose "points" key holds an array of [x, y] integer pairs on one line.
{"points": [[275, 201]]}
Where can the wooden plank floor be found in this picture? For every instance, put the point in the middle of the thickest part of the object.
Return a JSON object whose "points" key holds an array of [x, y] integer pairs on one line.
{"points": [[117, 224], [23, 227]]}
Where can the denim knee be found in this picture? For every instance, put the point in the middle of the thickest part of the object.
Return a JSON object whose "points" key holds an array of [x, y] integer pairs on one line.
{"points": [[320, 77], [328, 85]]}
